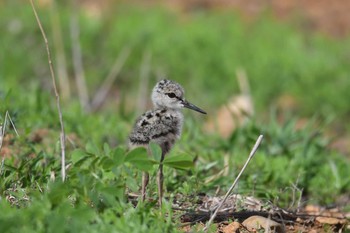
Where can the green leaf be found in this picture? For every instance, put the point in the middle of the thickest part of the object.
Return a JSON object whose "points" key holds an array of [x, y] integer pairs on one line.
{"points": [[78, 155], [140, 159], [58, 192], [111, 193], [118, 156], [92, 148], [156, 151], [182, 161], [106, 162], [106, 148]]}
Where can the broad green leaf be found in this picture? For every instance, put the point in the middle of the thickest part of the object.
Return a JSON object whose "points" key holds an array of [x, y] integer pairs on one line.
{"points": [[78, 155], [92, 148], [106, 162], [140, 159], [58, 192], [132, 183], [106, 148], [118, 156], [108, 175], [182, 161], [156, 151], [107, 195], [94, 162]]}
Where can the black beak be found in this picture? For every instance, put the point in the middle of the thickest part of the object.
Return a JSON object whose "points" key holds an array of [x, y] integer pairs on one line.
{"points": [[192, 106]]}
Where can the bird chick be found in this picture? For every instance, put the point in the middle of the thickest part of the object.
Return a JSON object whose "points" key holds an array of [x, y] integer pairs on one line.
{"points": [[162, 125]]}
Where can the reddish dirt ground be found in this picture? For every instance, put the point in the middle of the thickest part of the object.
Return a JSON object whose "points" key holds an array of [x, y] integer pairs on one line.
{"points": [[330, 17]]}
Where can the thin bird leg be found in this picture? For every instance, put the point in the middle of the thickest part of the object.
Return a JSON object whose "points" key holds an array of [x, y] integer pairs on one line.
{"points": [[160, 180], [145, 179]]}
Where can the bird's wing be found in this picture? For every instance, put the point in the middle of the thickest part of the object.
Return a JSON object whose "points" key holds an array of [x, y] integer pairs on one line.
{"points": [[153, 125]]}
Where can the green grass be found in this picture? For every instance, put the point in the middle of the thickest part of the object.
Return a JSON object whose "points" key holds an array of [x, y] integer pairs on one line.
{"points": [[202, 51]]}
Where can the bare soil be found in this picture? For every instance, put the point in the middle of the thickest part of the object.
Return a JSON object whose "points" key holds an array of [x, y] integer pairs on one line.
{"points": [[329, 17]]}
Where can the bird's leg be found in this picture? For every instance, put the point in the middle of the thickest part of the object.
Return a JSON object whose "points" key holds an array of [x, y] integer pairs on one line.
{"points": [[145, 179], [160, 180]]}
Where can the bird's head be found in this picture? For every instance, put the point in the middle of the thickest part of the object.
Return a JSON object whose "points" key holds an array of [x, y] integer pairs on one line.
{"points": [[169, 94]]}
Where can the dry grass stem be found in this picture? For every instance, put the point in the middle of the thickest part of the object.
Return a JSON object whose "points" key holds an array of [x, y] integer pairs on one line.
{"points": [[2, 163], [107, 84], [62, 134], [251, 155], [295, 190], [61, 65], [7, 116], [242, 80], [3, 127], [78, 60], [1, 136], [226, 164]]}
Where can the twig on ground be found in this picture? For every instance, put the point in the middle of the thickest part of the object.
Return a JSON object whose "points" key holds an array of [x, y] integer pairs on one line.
{"points": [[252, 153], [78, 60], [62, 134], [193, 217], [107, 84]]}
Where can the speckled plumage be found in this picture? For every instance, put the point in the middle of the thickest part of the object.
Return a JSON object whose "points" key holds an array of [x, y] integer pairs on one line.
{"points": [[163, 124]]}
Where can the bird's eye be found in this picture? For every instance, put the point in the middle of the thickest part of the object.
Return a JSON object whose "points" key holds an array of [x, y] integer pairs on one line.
{"points": [[171, 95]]}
